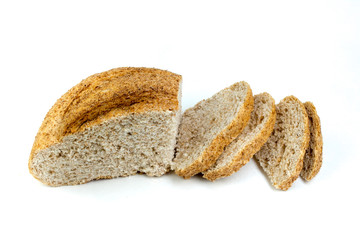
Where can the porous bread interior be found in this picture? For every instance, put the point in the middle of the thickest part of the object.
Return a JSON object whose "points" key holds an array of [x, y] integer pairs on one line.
{"points": [[281, 156], [313, 155], [121, 146], [200, 124], [252, 134]]}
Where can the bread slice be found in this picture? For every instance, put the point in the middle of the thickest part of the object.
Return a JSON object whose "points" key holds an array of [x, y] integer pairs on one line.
{"points": [[313, 155], [250, 140], [112, 124], [282, 155], [208, 127]]}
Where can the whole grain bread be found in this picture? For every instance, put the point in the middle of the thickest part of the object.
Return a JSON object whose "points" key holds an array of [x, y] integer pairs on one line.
{"points": [[111, 124], [208, 127], [250, 140], [313, 155], [282, 155]]}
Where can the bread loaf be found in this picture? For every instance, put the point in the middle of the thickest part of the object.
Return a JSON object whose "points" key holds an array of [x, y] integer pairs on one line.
{"points": [[111, 124], [128, 120]]}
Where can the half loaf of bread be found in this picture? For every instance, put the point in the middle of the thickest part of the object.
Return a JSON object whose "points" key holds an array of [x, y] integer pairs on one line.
{"points": [[313, 155], [250, 140], [112, 124], [282, 155], [208, 127]]}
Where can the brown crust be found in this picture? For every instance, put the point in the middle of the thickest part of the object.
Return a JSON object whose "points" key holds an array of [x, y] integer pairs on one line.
{"points": [[304, 145], [247, 152], [287, 184], [313, 152], [211, 153], [105, 95]]}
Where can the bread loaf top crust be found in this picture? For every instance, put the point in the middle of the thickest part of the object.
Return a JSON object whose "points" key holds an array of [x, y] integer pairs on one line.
{"points": [[105, 95]]}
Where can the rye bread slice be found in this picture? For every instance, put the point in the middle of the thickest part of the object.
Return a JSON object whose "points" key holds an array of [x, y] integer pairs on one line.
{"points": [[208, 127], [313, 155], [251, 139], [282, 155]]}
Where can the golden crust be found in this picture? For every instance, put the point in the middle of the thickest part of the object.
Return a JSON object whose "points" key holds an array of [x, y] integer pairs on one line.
{"points": [[287, 184], [105, 95], [314, 152], [225, 137], [244, 156], [304, 145]]}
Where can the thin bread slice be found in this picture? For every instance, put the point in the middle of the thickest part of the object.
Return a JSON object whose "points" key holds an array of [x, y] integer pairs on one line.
{"points": [[313, 155], [282, 155], [208, 127], [251, 139], [115, 123]]}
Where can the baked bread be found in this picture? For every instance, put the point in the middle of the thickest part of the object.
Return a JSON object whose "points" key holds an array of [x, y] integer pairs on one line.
{"points": [[282, 155], [250, 140], [313, 155], [208, 127], [112, 124]]}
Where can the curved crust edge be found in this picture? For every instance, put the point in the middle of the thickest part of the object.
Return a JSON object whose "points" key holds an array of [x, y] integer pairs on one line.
{"points": [[317, 137]]}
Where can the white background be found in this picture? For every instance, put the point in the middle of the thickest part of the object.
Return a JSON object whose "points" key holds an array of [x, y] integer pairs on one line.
{"points": [[306, 48]]}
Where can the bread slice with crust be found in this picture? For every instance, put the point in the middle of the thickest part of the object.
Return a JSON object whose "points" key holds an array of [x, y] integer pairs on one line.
{"points": [[313, 155], [282, 155], [112, 124], [208, 127], [250, 140]]}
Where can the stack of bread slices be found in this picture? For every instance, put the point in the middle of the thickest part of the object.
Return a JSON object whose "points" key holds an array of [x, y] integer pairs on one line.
{"points": [[128, 120]]}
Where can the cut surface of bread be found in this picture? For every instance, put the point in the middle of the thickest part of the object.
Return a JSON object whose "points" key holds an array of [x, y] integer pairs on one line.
{"points": [[282, 155], [208, 127], [250, 140], [313, 155], [112, 124]]}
